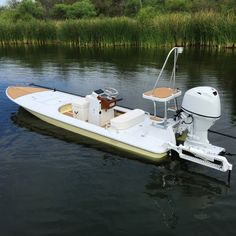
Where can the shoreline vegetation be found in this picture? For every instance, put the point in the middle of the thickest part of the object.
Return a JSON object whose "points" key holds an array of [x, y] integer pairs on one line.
{"points": [[201, 29], [131, 23]]}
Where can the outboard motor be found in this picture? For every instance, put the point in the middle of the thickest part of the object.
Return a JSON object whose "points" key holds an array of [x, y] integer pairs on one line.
{"points": [[201, 108]]}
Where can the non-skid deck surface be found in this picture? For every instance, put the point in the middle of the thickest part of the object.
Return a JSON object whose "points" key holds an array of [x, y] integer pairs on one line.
{"points": [[161, 92], [156, 118], [68, 113], [16, 92]]}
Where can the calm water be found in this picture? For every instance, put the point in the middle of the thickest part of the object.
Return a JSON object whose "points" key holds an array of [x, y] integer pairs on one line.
{"points": [[53, 182]]}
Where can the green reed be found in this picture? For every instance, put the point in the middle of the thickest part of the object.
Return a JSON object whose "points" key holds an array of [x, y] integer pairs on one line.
{"points": [[32, 32], [100, 32], [199, 29]]}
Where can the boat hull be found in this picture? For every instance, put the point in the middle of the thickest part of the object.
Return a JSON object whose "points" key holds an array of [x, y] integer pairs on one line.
{"points": [[146, 140], [141, 154]]}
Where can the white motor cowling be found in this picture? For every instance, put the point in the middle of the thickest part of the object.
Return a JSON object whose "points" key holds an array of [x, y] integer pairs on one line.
{"points": [[202, 101], [201, 106]]}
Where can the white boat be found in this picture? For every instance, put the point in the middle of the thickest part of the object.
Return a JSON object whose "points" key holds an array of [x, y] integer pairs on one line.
{"points": [[98, 117]]}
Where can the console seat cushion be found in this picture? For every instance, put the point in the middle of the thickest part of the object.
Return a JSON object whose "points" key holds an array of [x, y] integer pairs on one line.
{"points": [[127, 120]]}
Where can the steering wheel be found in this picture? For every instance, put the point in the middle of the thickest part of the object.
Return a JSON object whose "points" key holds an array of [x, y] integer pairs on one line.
{"points": [[111, 93]]}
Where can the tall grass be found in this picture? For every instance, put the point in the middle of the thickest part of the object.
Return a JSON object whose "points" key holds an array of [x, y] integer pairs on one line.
{"points": [[200, 29], [100, 32], [32, 32]]}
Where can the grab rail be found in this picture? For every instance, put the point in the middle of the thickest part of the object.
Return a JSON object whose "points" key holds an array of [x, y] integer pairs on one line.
{"points": [[177, 50]]}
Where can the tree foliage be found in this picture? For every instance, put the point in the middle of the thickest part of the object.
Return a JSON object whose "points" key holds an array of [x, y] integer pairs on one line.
{"points": [[22, 10], [177, 5], [30, 8], [103, 7], [75, 9], [80, 9], [146, 14], [132, 7], [13, 3], [59, 11]]}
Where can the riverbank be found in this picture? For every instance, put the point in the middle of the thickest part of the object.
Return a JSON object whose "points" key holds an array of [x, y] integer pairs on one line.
{"points": [[199, 29]]}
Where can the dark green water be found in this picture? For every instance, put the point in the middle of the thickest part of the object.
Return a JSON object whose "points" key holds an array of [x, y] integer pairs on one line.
{"points": [[53, 182]]}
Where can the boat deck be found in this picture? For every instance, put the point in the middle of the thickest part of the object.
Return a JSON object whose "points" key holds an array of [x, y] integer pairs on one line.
{"points": [[134, 132], [16, 92], [68, 113], [67, 110]]}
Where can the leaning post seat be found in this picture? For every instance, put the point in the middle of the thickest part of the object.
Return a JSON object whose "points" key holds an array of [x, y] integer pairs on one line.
{"points": [[162, 94], [128, 119], [165, 94]]}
